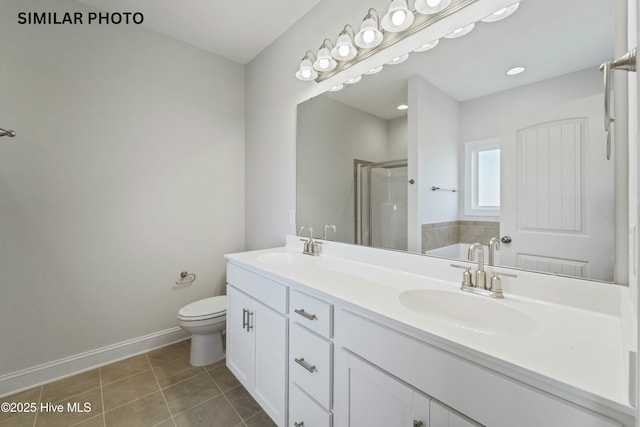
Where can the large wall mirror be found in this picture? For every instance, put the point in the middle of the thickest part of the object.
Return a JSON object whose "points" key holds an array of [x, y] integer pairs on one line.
{"points": [[478, 154]]}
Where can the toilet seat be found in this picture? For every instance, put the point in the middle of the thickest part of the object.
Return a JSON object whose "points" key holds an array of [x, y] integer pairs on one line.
{"points": [[208, 308]]}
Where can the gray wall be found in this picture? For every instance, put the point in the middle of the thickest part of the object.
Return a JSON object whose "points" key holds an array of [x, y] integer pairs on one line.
{"points": [[128, 167], [330, 136]]}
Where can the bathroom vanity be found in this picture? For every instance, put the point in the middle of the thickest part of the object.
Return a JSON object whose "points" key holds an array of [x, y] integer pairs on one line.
{"points": [[365, 337]]}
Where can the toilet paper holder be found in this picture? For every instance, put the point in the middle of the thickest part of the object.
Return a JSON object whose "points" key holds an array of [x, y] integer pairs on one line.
{"points": [[186, 278]]}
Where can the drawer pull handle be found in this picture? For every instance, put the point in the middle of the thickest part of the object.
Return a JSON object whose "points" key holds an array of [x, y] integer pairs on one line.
{"points": [[417, 423], [306, 315], [300, 424], [305, 365]]}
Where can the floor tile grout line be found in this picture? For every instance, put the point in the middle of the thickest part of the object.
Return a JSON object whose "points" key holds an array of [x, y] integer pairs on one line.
{"points": [[132, 401], [162, 393], [128, 376], [179, 382], [104, 418], [195, 406], [201, 403], [35, 419], [224, 394], [160, 389]]}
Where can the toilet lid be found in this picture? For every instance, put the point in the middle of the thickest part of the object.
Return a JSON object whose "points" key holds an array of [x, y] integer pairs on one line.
{"points": [[204, 308]]}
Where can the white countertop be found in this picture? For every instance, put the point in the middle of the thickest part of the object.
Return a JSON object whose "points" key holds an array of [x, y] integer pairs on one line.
{"points": [[563, 349]]}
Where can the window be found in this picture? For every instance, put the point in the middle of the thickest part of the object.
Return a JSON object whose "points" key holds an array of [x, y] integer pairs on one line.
{"points": [[482, 178]]}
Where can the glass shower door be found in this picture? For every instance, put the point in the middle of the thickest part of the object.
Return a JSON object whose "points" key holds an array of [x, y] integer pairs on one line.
{"points": [[381, 204]]}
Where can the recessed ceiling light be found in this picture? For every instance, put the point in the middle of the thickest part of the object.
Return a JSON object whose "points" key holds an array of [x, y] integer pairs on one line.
{"points": [[402, 107], [515, 71]]}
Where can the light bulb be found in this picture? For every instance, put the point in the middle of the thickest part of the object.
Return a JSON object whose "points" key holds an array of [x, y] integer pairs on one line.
{"points": [[343, 50], [323, 63], [375, 70], [500, 12], [368, 36], [433, 3], [398, 17], [353, 80], [306, 73]]}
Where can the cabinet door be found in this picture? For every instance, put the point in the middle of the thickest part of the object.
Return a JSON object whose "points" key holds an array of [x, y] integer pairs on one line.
{"points": [[270, 389], [376, 398], [240, 341]]}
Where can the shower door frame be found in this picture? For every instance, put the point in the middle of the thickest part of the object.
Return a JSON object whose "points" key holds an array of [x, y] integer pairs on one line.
{"points": [[357, 166]]}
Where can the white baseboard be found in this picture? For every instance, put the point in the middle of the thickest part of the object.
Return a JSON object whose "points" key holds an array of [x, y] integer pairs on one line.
{"points": [[25, 379]]}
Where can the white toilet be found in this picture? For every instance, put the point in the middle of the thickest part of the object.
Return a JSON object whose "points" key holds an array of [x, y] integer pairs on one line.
{"points": [[205, 320]]}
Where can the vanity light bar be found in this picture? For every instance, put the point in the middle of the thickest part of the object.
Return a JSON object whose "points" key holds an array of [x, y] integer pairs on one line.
{"points": [[377, 34]]}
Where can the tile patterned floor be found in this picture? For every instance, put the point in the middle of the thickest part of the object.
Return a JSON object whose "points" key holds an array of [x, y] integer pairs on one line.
{"points": [[159, 388]]}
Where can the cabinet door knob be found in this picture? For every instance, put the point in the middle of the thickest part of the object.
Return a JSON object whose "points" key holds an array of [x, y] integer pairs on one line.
{"points": [[305, 365], [417, 423], [304, 314], [300, 424]]}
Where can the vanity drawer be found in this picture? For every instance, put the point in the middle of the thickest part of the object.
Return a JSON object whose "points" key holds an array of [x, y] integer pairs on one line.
{"points": [[304, 411], [310, 364], [268, 292], [312, 312]]}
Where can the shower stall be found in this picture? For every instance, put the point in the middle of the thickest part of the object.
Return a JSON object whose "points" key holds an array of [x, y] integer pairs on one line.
{"points": [[380, 208]]}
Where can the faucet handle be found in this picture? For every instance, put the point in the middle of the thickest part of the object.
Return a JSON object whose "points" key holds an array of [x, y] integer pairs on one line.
{"points": [[496, 283], [467, 277]]}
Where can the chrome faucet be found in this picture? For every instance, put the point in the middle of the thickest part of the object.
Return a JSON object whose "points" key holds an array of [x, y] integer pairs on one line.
{"points": [[311, 247], [494, 245], [481, 276], [326, 227], [479, 285]]}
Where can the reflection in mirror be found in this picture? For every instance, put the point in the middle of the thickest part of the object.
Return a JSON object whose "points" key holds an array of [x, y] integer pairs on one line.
{"points": [[479, 154]]}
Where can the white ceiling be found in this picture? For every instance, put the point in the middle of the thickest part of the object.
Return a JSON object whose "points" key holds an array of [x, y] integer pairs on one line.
{"points": [[230, 28], [549, 37]]}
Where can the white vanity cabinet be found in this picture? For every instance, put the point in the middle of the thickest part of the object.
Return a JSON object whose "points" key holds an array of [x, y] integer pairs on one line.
{"points": [[257, 332], [483, 395], [317, 348], [366, 396], [310, 361]]}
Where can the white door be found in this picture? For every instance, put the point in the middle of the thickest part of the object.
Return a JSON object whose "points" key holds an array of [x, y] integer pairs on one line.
{"points": [[557, 198]]}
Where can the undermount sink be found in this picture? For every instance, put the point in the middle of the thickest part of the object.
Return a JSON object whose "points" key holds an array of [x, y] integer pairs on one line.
{"points": [[285, 259], [476, 313]]}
